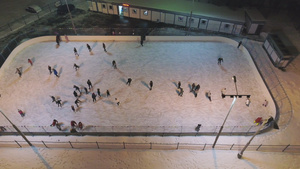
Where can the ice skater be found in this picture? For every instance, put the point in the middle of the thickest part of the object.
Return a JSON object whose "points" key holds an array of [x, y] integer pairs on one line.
{"points": [[107, 93], [86, 90], [94, 97], [98, 92], [180, 92], [58, 39], [76, 67], [220, 60], [223, 91], [66, 38], [114, 64], [55, 72], [89, 48], [208, 95], [75, 52], [104, 47], [19, 71], [73, 108], [198, 127], [75, 94], [240, 43], [73, 124], [151, 85], [178, 85], [58, 102], [77, 101], [193, 87], [54, 123], [53, 99], [265, 103], [80, 125], [128, 81], [30, 62], [247, 102], [142, 42], [89, 84], [117, 101], [21, 113], [50, 70]]}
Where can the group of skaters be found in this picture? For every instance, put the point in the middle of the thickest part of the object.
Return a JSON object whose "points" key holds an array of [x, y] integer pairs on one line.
{"points": [[74, 125]]}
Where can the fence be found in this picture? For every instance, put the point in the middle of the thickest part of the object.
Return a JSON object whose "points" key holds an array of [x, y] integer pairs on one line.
{"points": [[153, 146], [131, 130], [281, 99]]}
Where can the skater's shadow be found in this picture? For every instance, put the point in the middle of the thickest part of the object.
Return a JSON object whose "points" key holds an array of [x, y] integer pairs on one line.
{"points": [[88, 127], [77, 57], [178, 92], [108, 53], [175, 84], [56, 46], [80, 49], [54, 67], [223, 69], [91, 53], [108, 102], [145, 84], [25, 71], [123, 80], [77, 74], [33, 60], [94, 45], [78, 109], [56, 81], [138, 46], [60, 71], [97, 82], [15, 81], [63, 103]]}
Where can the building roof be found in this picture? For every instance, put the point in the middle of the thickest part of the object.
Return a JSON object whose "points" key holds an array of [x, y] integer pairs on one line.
{"points": [[183, 6]]}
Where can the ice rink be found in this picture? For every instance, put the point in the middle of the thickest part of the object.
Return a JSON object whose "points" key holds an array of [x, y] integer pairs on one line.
{"points": [[163, 62]]}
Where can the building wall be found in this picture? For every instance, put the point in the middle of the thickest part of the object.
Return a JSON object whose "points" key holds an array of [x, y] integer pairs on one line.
{"points": [[213, 25], [126, 11], [237, 29], [194, 22], [134, 12], [104, 7], [155, 16], [252, 28], [99, 7], [203, 23], [162, 17], [110, 8], [180, 20], [146, 14], [115, 7], [226, 27], [169, 18]]}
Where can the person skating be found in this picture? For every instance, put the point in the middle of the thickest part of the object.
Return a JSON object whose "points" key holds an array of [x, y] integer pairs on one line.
{"points": [[50, 69], [30, 62], [117, 101], [58, 102], [94, 97], [19, 71], [247, 102], [107, 93], [21, 113], [240, 42], [114, 64], [178, 85], [220, 60], [76, 88], [151, 85], [98, 92], [55, 72], [180, 92], [86, 90], [54, 123], [129, 81], [73, 108], [75, 94], [58, 39], [89, 48], [77, 101], [208, 95], [73, 124], [193, 87], [75, 52], [80, 125], [89, 84], [76, 67], [104, 47], [53, 99], [142, 42]]}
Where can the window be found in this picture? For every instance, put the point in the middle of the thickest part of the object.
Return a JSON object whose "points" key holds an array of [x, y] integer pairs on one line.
{"points": [[191, 20], [110, 7], [103, 6], [203, 22], [180, 19], [134, 11], [146, 13]]}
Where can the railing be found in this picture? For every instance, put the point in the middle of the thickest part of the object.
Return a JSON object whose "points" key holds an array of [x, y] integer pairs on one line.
{"points": [[152, 145], [265, 68], [130, 130]]}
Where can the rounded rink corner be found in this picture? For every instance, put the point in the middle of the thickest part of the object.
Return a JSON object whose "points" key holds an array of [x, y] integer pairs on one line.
{"points": [[136, 39]]}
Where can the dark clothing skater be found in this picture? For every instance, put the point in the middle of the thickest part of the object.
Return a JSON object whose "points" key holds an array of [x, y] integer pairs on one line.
{"points": [[80, 125], [180, 92], [76, 67], [117, 101], [55, 73], [142, 42], [151, 85], [220, 60], [86, 90], [73, 108], [208, 95], [94, 97], [77, 101], [76, 88], [98, 92], [104, 47], [129, 81], [75, 52], [18, 70], [239, 44], [75, 94], [58, 102], [50, 70], [179, 85], [89, 84], [193, 87], [30, 62], [73, 124], [54, 123], [89, 48], [107, 93], [114, 64], [53, 99], [21, 113]]}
